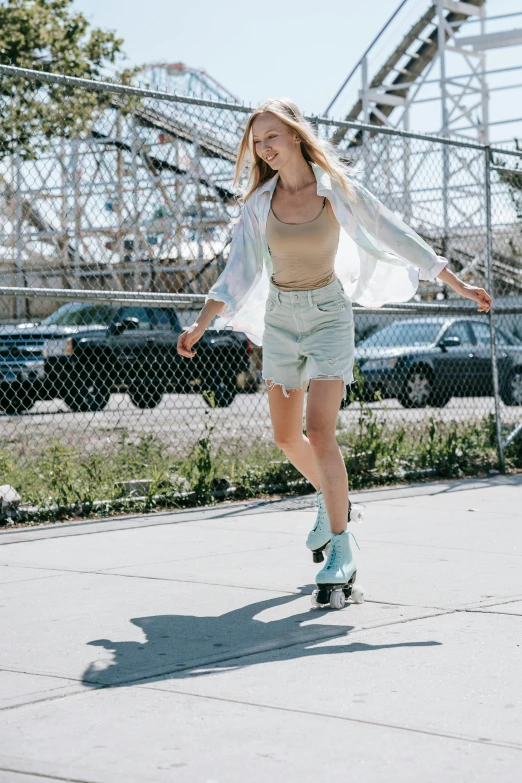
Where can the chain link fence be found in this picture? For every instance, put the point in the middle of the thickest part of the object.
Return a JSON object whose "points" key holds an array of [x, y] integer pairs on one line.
{"points": [[112, 232]]}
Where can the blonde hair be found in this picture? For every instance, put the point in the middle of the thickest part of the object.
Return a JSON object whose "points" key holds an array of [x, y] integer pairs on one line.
{"points": [[314, 149]]}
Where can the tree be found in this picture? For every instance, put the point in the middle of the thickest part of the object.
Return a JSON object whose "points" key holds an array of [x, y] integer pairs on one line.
{"points": [[49, 35]]}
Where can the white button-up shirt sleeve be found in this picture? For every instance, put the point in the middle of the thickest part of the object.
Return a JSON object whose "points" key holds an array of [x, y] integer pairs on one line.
{"points": [[243, 267], [393, 235]]}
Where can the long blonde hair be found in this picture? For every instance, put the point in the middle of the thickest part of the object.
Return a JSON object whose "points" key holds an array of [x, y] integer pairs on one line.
{"points": [[314, 149]]}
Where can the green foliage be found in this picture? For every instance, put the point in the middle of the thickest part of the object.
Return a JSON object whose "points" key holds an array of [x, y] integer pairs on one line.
{"points": [[48, 35], [199, 468], [513, 453], [52, 34], [455, 449], [62, 482]]}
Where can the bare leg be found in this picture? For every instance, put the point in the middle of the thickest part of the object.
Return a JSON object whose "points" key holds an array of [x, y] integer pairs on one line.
{"points": [[322, 410], [286, 414]]}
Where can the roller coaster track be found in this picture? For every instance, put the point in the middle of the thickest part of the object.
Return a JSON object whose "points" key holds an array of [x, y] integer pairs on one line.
{"points": [[209, 144], [155, 165], [417, 63]]}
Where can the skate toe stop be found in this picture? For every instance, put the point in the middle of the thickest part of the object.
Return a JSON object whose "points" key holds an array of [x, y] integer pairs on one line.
{"points": [[357, 594]]}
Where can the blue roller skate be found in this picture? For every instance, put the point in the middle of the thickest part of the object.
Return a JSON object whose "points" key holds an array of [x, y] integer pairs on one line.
{"points": [[320, 535], [336, 580]]}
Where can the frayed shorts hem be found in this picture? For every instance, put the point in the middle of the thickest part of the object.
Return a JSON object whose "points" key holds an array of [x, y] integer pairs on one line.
{"points": [[271, 384]]}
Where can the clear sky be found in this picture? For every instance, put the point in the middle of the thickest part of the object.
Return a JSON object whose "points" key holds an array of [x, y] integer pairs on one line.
{"points": [[257, 49], [303, 49]]}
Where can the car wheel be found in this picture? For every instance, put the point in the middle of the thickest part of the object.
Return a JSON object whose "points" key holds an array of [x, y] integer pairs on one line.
{"points": [[17, 401], [417, 389], [347, 401], [512, 390], [440, 398], [251, 386], [221, 392], [87, 397], [145, 396]]}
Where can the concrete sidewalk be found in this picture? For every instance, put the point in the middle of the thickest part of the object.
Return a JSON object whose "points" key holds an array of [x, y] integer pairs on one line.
{"points": [[182, 647]]}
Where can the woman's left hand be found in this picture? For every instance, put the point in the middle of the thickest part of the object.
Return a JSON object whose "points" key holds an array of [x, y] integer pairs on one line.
{"points": [[478, 295]]}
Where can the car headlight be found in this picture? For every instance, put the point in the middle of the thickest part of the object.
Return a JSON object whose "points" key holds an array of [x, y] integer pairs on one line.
{"points": [[387, 363], [62, 347]]}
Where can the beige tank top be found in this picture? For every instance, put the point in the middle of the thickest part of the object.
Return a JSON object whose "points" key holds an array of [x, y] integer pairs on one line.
{"points": [[303, 254]]}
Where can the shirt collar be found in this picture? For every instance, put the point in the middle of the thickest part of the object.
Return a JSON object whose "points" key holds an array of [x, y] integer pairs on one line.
{"points": [[322, 177]]}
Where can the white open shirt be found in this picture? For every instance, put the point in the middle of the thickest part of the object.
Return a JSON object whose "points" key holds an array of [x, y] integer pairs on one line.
{"points": [[379, 259]]}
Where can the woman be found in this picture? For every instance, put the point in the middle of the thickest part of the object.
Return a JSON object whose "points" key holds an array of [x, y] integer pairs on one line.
{"points": [[310, 240]]}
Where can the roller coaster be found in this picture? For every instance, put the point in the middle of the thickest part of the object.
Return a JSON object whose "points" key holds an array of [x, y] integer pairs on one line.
{"points": [[143, 201]]}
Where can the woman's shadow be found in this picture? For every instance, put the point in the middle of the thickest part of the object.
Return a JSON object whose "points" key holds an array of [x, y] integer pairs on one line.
{"points": [[179, 646]]}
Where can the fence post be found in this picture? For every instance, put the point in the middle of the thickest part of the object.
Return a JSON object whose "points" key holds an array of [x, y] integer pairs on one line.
{"points": [[76, 220], [20, 305], [493, 348]]}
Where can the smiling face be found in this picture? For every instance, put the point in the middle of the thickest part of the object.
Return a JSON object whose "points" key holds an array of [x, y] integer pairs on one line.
{"points": [[274, 141]]}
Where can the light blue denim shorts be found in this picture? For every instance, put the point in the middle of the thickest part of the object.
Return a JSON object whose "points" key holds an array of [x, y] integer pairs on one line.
{"points": [[308, 335]]}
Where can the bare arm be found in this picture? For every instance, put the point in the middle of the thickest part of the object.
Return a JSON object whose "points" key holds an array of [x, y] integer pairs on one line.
{"points": [[211, 308], [478, 295], [195, 331]]}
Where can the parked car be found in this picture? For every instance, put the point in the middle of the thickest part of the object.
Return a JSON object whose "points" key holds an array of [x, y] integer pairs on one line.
{"points": [[84, 352], [426, 361], [22, 372]]}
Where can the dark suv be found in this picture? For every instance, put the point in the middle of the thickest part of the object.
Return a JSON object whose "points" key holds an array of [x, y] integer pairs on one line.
{"points": [[83, 352], [426, 361]]}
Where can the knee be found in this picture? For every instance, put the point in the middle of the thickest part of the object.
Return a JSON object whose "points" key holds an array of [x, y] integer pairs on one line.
{"points": [[319, 437], [287, 441]]}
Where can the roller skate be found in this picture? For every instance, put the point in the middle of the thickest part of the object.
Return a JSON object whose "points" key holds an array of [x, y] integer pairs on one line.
{"points": [[336, 580], [320, 535]]}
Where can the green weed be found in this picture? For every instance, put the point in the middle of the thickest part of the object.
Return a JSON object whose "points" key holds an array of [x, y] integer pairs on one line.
{"points": [[63, 482]]}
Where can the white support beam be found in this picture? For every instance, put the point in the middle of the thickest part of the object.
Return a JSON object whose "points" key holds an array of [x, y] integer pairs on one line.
{"points": [[401, 86], [461, 50], [465, 92], [482, 43], [384, 98], [403, 71], [383, 118], [461, 8]]}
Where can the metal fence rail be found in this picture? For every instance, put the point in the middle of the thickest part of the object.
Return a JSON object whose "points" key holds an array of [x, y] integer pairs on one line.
{"points": [[456, 307], [110, 236]]}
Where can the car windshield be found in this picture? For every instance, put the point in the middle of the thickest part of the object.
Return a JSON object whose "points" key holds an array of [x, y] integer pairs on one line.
{"points": [[403, 333], [77, 314]]}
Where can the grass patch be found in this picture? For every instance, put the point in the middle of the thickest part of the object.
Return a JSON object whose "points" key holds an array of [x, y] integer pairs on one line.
{"points": [[141, 475]]}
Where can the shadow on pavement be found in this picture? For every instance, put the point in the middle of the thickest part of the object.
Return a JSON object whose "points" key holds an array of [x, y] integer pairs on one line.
{"points": [[183, 646]]}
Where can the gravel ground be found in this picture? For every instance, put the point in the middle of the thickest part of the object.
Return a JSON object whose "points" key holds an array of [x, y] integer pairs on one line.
{"points": [[180, 419]]}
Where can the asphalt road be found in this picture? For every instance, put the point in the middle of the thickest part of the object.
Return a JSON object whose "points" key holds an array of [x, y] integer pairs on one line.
{"points": [[182, 647], [180, 419]]}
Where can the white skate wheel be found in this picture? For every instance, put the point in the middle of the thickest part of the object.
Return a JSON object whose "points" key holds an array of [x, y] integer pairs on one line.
{"points": [[337, 599], [357, 513], [314, 601], [357, 594]]}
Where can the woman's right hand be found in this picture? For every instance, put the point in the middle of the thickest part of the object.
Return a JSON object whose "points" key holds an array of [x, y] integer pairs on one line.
{"points": [[187, 339]]}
